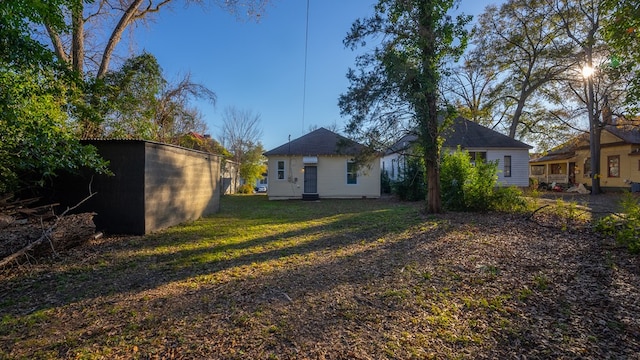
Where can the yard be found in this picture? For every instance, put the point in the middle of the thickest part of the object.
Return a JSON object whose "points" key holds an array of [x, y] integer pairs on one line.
{"points": [[350, 279]]}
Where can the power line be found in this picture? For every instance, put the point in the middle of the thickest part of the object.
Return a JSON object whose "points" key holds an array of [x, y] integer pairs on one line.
{"points": [[304, 85]]}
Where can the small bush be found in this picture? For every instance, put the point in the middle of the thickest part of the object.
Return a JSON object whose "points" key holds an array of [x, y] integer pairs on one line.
{"points": [[455, 170], [245, 189], [385, 182], [626, 228], [474, 187], [412, 186], [508, 199], [479, 187]]}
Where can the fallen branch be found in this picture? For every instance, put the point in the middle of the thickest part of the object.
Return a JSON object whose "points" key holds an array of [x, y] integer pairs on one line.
{"points": [[538, 209], [44, 237]]}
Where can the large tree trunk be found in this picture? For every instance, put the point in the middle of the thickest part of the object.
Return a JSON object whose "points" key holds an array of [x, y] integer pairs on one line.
{"points": [[77, 37], [515, 121], [127, 18], [434, 203], [594, 139], [428, 108]]}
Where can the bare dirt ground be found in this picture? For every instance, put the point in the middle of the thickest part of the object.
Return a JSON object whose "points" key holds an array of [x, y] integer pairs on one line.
{"points": [[452, 286], [601, 204]]}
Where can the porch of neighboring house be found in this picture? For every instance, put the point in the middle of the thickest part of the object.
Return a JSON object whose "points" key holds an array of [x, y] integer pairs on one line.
{"points": [[558, 172]]}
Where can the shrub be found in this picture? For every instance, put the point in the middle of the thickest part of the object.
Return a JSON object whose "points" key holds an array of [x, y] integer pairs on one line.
{"points": [[625, 228], [455, 170], [385, 182], [479, 187], [245, 189], [412, 186], [474, 187], [508, 199], [38, 139]]}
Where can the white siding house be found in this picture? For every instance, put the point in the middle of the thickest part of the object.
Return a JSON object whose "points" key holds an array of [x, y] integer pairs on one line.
{"points": [[481, 142]]}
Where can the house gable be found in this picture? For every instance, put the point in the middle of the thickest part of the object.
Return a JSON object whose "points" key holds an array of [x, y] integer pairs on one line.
{"points": [[318, 142]]}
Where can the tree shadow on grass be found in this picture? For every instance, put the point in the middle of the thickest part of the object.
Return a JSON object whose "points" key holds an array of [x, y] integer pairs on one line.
{"points": [[137, 267], [452, 286]]}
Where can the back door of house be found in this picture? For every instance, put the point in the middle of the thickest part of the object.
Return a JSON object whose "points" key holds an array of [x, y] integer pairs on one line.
{"points": [[310, 179]]}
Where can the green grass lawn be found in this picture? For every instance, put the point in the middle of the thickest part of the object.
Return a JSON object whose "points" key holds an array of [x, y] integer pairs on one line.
{"points": [[333, 279]]}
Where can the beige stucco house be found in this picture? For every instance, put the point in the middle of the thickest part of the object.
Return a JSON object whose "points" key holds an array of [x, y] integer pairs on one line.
{"points": [[570, 163], [321, 164]]}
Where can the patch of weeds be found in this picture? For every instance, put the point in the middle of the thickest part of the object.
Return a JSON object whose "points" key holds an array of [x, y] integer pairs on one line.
{"points": [[455, 276], [524, 293], [504, 323], [241, 320], [541, 282], [400, 294], [609, 261], [626, 227], [492, 270], [495, 303], [441, 316], [568, 212]]}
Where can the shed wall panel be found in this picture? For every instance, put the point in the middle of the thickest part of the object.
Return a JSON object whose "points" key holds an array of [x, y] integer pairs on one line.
{"points": [[180, 185]]}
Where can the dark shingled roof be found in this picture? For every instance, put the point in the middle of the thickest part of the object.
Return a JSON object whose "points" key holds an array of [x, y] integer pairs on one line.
{"points": [[318, 142], [629, 133], [468, 135]]}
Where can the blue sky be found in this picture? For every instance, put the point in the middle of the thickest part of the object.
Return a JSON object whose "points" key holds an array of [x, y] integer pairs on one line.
{"points": [[260, 66]]}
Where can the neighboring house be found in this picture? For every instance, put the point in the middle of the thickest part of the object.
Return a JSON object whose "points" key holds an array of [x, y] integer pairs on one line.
{"points": [[570, 163], [228, 177], [320, 165], [481, 143]]}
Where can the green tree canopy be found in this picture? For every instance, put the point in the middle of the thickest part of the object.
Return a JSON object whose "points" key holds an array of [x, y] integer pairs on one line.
{"points": [[398, 81]]}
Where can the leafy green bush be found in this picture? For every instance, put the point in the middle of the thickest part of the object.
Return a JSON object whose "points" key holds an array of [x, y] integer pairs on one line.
{"points": [[412, 185], [474, 187], [455, 170], [625, 228], [479, 187], [508, 199], [37, 139]]}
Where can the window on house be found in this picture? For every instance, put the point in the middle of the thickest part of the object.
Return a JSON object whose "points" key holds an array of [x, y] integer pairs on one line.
{"points": [[614, 166], [537, 169], [477, 155], [393, 168], [507, 166], [556, 169], [281, 170], [352, 173], [587, 168]]}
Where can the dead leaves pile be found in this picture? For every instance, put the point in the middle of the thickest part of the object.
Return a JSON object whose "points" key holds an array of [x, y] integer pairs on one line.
{"points": [[460, 285]]}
